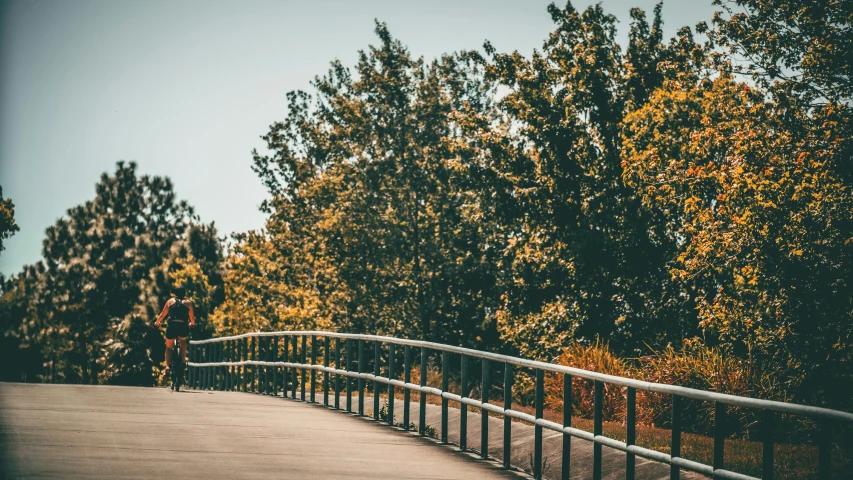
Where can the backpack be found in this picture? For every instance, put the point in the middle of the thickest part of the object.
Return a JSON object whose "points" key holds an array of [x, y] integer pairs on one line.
{"points": [[179, 311]]}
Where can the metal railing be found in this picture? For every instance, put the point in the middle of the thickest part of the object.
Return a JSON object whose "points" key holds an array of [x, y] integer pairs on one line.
{"points": [[250, 362]]}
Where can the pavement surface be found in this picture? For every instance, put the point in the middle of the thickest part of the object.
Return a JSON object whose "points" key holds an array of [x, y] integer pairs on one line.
{"points": [[68, 431]]}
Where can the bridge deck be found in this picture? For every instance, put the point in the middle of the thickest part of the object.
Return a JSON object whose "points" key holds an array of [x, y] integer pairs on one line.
{"points": [[67, 431]]}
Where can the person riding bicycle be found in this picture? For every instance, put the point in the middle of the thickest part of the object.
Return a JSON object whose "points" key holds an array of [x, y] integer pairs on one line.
{"points": [[180, 311]]}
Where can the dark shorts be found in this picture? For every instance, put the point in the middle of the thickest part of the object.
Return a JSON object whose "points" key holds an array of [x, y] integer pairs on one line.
{"points": [[177, 330]]}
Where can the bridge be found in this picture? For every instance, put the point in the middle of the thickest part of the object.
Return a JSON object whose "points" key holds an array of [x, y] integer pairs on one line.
{"points": [[320, 412]]}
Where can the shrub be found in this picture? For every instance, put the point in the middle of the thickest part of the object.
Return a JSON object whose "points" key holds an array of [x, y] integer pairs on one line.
{"points": [[698, 366], [595, 357]]}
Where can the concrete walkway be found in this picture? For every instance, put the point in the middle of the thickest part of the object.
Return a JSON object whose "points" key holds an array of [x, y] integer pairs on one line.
{"points": [[67, 431]]}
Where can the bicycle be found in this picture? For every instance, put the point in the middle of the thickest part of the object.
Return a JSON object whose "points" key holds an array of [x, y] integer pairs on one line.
{"points": [[177, 367]]}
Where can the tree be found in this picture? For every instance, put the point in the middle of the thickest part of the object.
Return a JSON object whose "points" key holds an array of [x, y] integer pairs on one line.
{"points": [[757, 191], [585, 259], [88, 305], [801, 48], [366, 179], [8, 227]]}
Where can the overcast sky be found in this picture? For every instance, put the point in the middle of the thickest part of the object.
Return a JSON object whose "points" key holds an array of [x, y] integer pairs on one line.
{"points": [[186, 88]]}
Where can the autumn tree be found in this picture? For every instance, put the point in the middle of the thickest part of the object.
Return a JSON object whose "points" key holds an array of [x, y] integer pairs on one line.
{"points": [[8, 227], [366, 177], [585, 260], [753, 174]]}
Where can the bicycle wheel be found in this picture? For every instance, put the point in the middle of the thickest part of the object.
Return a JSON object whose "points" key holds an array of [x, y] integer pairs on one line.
{"points": [[177, 370], [179, 380]]}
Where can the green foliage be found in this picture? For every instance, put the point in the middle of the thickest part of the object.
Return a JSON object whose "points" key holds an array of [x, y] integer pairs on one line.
{"points": [[267, 289], [576, 195], [541, 204], [8, 227], [760, 208], [800, 47], [371, 226], [88, 306], [584, 258]]}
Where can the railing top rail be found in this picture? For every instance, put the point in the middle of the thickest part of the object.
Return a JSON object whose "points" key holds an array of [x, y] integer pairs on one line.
{"points": [[693, 393]]}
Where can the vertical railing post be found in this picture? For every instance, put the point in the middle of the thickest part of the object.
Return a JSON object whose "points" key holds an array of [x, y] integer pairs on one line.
{"points": [[199, 376], [220, 353], [360, 379], [326, 357], [767, 451], [407, 378], [445, 384], [223, 370], [212, 369], [238, 377], [376, 352], [484, 414], [719, 433], [249, 369], [206, 374], [567, 422], [349, 379], [228, 368], [630, 432], [247, 376], [208, 370], [507, 420], [596, 429], [337, 377], [674, 471], [313, 372], [463, 408], [235, 357], [285, 376], [223, 357], [390, 386], [253, 354], [422, 395], [214, 352], [537, 429], [262, 370], [275, 358], [199, 373], [302, 360], [294, 358], [257, 353], [202, 370], [237, 350], [241, 370], [191, 372], [268, 370]]}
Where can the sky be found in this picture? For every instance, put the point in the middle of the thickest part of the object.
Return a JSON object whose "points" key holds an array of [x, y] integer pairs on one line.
{"points": [[186, 88]]}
